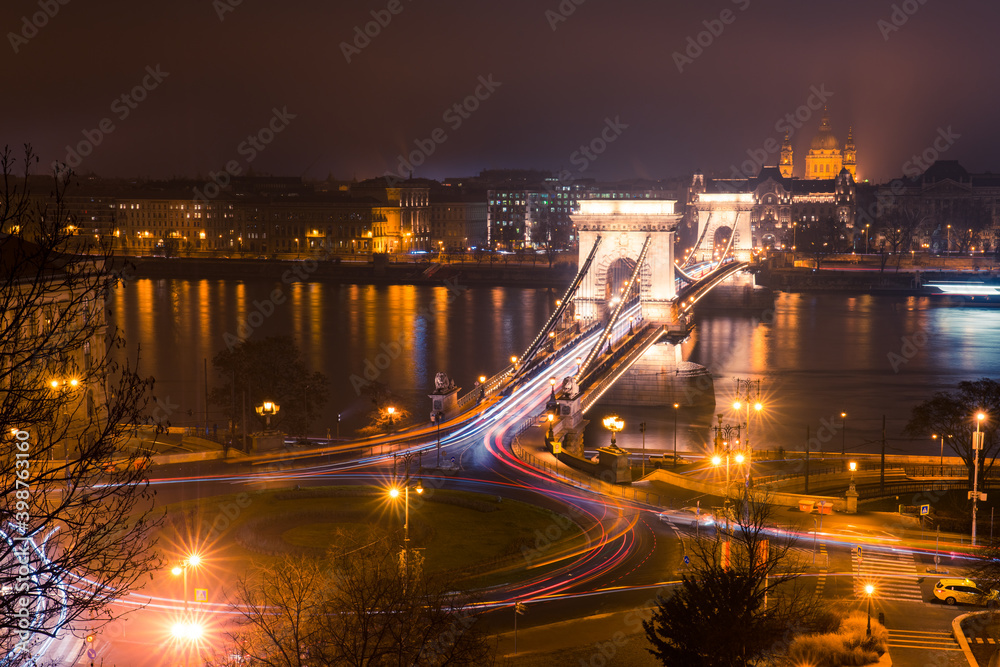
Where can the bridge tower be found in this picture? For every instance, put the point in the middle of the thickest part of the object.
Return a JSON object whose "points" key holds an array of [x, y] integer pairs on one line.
{"points": [[624, 225], [721, 216]]}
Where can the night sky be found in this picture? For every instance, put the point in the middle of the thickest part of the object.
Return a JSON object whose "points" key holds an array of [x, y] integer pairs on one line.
{"points": [[604, 65]]}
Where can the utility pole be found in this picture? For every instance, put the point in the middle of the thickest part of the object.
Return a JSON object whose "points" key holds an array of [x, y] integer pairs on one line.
{"points": [[642, 429], [245, 450], [881, 478], [206, 395], [807, 459]]}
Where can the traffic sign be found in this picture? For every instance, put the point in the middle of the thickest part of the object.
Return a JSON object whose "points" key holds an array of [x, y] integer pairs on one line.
{"points": [[201, 595], [982, 496], [687, 561], [91, 653], [925, 510], [859, 553]]}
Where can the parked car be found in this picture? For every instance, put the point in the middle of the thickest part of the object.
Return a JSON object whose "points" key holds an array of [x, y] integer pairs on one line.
{"points": [[953, 591], [688, 516]]}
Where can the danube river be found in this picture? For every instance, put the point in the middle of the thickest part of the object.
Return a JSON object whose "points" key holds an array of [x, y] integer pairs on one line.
{"points": [[817, 355]]}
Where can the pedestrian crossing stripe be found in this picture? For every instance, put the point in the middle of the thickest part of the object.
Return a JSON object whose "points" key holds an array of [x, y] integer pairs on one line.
{"points": [[922, 639], [893, 575]]}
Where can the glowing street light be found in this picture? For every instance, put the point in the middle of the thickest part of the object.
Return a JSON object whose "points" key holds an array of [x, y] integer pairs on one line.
{"points": [[614, 424], [977, 444], [869, 591], [394, 493], [391, 410], [266, 410]]}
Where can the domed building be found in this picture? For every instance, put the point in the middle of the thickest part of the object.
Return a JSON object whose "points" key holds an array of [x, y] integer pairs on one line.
{"points": [[826, 158]]}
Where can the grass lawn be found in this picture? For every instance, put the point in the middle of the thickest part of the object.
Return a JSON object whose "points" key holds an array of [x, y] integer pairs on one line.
{"points": [[468, 535]]}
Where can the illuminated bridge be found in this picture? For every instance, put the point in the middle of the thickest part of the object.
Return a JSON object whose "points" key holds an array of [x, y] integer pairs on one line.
{"points": [[628, 295]]}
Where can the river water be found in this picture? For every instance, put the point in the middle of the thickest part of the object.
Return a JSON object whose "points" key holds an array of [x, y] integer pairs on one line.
{"points": [[817, 355]]}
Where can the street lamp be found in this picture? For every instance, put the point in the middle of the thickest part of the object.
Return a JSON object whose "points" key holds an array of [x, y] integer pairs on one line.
{"points": [[391, 410], [744, 389], [394, 493], [482, 387], [853, 466], [843, 434], [438, 418], [642, 429], [869, 591], [552, 386], [267, 409], [977, 444], [676, 407], [614, 424], [551, 417], [194, 560], [64, 386]]}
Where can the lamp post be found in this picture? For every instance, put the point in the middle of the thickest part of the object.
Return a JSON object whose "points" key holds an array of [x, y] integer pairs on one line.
{"points": [[391, 410], [642, 429], [614, 424], [843, 434], [338, 426], [438, 418], [267, 409], [194, 560], [748, 394], [977, 444], [64, 387], [394, 493], [869, 590], [551, 418], [676, 407], [482, 387], [853, 466]]}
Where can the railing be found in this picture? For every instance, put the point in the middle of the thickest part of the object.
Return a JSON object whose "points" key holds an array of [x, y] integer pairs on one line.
{"points": [[583, 481], [486, 389], [631, 352]]}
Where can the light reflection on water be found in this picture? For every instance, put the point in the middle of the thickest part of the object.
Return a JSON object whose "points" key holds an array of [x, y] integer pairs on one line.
{"points": [[817, 354]]}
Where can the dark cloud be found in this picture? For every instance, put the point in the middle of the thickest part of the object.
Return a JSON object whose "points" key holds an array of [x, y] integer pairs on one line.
{"points": [[896, 87]]}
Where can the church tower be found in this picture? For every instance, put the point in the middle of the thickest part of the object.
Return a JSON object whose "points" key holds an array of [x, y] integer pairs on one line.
{"points": [[825, 159], [786, 158], [851, 155]]}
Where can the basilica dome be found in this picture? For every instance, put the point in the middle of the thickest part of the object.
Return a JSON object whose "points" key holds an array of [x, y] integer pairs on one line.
{"points": [[824, 139]]}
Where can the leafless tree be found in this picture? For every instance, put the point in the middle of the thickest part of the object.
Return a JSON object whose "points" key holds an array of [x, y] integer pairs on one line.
{"points": [[741, 602], [357, 607], [75, 508]]}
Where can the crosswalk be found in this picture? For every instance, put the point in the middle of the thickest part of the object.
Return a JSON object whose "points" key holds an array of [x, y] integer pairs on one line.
{"points": [[894, 575], [922, 640]]}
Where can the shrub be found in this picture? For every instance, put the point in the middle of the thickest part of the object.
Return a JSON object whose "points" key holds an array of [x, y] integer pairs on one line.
{"points": [[850, 645]]}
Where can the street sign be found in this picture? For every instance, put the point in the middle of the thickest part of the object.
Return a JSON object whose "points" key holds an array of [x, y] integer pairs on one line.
{"points": [[925, 510], [859, 553], [91, 653], [520, 608], [687, 561], [982, 496], [977, 440], [201, 595]]}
